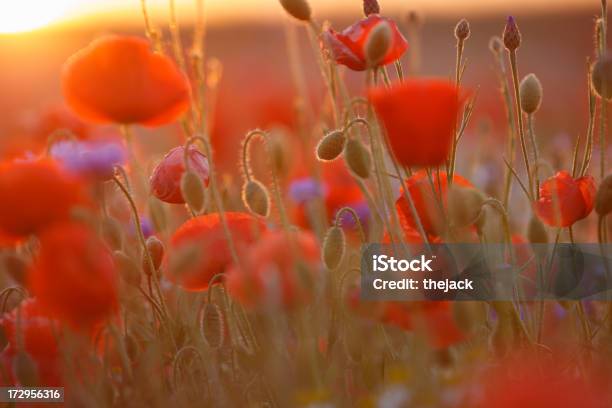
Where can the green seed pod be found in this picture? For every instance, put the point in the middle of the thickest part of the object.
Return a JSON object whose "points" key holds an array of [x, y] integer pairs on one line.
{"points": [[603, 199], [156, 249], [531, 94], [255, 196], [601, 77], [331, 146], [299, 9], [357, 158], [112, 233], [25, 370], [462, 30], [192, 189], [212, 325], [128, 269], [378, 43], [334, 246]]}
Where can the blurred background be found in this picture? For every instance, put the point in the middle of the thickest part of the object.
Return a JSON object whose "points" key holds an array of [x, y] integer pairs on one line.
{"points": [[249, 38]]}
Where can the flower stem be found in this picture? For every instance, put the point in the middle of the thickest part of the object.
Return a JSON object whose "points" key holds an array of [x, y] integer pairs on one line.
{"points": [[521, 130]]}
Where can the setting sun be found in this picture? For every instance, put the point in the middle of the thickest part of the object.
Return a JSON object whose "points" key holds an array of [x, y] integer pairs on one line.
{"points": [[26, 15]]}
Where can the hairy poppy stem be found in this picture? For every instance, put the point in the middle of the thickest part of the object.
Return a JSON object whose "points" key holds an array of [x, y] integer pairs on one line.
{"points": [[6, 294], [275, 184], [399, 70], [384, 188], [145, 250], [152, 33], [58, 136], [521, 130], [604, 103], [226, 231], [505, 93], [536, 154], [314, 31], [588, 150], [175, 33], [602, 138], [353, 213], [453, 154]]}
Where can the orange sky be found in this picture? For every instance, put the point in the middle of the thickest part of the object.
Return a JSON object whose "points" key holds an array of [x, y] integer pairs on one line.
{"points": [[223, 10]]}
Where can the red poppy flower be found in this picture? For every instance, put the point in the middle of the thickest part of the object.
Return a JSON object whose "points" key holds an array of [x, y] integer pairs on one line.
{"points": [[199, 249], [74, 277], [427, 200], [55, 118], [39, 341], [347, 47], [36, 194], [166, 178], [528, 382], [435, 319], [118, 79], [7, 241], [419, 116], [275, 273], [565, 200], [336, 189]]}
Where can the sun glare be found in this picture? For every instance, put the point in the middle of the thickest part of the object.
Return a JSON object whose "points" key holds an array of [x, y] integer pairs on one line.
{"points": [[26, 15]]}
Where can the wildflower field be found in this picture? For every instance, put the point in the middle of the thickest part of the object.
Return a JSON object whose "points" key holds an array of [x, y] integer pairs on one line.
{"points": [[172, 238]]}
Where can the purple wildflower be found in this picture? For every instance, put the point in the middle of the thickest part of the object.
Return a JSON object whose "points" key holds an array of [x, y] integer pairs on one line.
{"points": [[305, 189], [94, 159]]}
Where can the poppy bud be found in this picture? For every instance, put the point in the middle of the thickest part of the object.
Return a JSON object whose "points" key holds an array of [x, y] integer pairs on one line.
{"points": [[334, 246], [156, 250], [531, 94], [464, 205], [111, 233], [192, 190], [331, 146], [496, 45], [371, 7], [128, 269], [601, 77], [212, 325], [512, 35], [299, 9], [15, 267], [536, 232], [25, 370], [603, 199], [357, 158], [256, 198], [377, 44], [462, 30]]}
